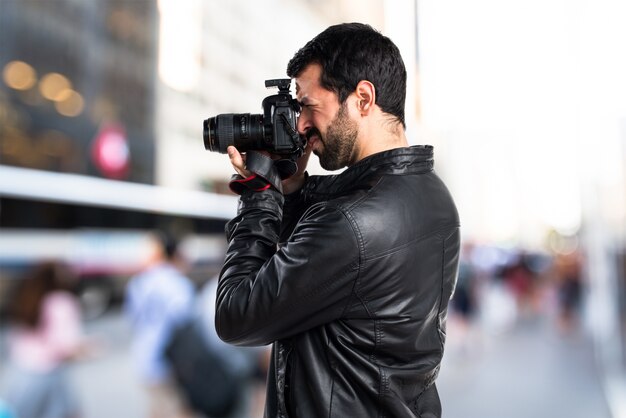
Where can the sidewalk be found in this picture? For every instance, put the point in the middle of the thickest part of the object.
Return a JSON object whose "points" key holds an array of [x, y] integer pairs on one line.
{"points": [[528, 371]]}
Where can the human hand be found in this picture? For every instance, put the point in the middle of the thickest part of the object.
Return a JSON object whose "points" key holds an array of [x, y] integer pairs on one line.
{"points": [[238, 161], [296, 181], [290, 185]]}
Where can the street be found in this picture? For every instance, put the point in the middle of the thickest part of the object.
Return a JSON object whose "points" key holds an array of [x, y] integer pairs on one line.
{"points": [[526, 371]]}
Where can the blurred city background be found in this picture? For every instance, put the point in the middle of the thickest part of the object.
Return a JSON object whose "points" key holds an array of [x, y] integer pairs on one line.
{"points": [[101, 110]]}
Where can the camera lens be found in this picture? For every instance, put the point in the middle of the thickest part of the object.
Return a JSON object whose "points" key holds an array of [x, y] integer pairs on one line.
{"points": [[243, 130], [209, 135]]}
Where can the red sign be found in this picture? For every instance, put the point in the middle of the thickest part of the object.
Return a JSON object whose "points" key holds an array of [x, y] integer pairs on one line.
{"points": [[110, 152]]}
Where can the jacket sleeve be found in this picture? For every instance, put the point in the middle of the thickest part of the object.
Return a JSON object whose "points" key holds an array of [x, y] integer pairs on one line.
{"points": [[265, 293], [294, 207]]}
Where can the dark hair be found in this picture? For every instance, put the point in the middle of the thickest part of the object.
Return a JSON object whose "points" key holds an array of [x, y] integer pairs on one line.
{"points": [[169, 243], [351, 52], [40, 280]]}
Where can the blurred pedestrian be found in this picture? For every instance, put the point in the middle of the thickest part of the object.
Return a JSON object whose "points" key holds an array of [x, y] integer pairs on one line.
{"points": [[569, 284], [464, 301], [521, 281], [249, 365], [159, 299], [45, 335]]}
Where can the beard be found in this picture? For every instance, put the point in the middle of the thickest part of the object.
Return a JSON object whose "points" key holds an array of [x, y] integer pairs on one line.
{"points": [[339, 141]]}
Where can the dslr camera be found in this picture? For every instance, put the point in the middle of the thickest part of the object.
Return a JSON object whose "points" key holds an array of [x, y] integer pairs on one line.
{"points": [[273, 131]]}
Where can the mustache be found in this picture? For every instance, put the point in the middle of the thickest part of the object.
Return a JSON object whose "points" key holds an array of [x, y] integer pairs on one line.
{"points": [[312, 132]]}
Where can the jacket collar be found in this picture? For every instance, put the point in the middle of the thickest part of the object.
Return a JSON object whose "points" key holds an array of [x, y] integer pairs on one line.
{"points": [[416, 159], [409, 160]]}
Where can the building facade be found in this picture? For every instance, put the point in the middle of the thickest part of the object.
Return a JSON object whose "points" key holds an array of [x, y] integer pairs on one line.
{"points": [[78, 87]]}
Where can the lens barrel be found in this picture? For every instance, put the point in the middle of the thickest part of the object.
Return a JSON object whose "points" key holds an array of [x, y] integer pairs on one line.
{"points": [[243, 130]]}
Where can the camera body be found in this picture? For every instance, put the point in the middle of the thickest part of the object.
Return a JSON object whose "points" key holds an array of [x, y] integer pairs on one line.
{"points": [[273, 131]]}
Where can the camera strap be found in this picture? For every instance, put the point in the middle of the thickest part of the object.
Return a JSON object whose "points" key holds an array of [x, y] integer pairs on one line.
{"points": [[266, 173]]}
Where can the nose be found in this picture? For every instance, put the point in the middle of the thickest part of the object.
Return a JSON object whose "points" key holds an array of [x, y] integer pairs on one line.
{"points": [[304, 124]]}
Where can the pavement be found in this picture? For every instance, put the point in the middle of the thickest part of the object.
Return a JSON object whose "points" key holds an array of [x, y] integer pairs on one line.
{"points": [[526, 370]]}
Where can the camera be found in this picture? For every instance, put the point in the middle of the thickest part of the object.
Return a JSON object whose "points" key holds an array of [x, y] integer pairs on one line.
{"points": [[273, 131]]}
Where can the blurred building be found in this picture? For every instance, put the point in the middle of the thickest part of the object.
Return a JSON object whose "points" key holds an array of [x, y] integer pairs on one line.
{"points": [[78, 90], [77, 141], [77, 96]]}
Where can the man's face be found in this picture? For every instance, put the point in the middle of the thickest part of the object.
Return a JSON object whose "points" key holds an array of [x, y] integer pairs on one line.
{"points": [[327, 125]]}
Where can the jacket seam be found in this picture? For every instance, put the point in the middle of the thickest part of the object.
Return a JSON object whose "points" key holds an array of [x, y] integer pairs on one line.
{"points": [[383, 384], [378, 334], [358, 267], [413, 241], [332, 394], [354, 293], [443, 263], [439, 309], [359, 239]]}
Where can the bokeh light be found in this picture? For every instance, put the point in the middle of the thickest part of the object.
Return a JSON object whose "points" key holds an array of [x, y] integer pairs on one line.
{"points": [[54, 86], [19, 75], [72, 103]]}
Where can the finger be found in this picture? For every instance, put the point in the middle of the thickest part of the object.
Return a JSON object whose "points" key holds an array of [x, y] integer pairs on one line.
{"points": [[237, 161], [303, 161]]}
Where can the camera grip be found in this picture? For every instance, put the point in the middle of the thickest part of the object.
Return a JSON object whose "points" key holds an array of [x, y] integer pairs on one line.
{"points": [[265, 174]]}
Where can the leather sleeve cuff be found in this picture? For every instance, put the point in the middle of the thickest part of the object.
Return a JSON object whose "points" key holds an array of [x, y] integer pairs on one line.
{"points": [[238, 184], [270, 199]]}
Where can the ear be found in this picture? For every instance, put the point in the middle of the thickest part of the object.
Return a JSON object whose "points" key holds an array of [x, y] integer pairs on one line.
{"points": [[366, 97]]}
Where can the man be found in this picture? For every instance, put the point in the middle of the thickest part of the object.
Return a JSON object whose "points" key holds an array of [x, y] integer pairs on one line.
{"points": [[349, 276], [158, 300]]}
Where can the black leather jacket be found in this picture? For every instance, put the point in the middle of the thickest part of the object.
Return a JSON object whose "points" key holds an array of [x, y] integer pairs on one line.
{"points": [[351, 283]]}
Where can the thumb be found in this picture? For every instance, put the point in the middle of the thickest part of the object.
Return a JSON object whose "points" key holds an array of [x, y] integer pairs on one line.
{"points": [[237, 161]]}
